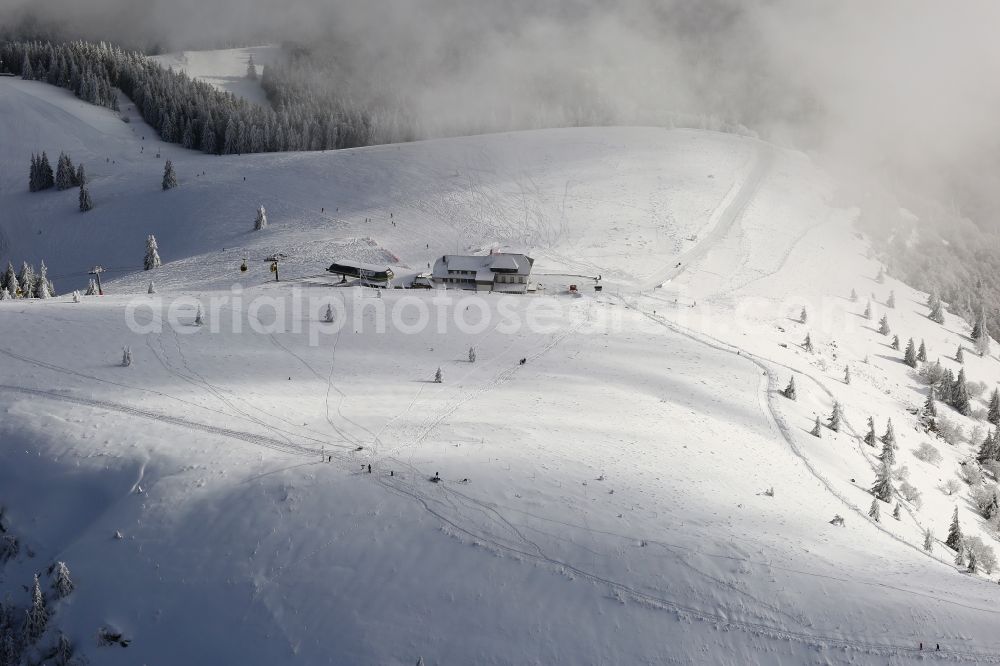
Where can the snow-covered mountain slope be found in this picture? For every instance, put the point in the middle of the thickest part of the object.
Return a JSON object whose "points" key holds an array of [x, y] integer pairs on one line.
{"points": [[603, 502], [225, 69]]}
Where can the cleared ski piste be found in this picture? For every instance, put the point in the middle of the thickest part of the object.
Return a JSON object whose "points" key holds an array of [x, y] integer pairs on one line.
{"points": [[614, 508]]}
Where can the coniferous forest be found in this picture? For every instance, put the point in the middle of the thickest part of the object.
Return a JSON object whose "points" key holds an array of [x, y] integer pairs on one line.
{"points": [[193, 113]]}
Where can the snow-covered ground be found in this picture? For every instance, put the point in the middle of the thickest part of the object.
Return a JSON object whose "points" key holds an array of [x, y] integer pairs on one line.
{"points": [[601, 503]]}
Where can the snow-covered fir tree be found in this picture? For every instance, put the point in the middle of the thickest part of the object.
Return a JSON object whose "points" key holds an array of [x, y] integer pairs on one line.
{"points": [[36, 616], [897, 511], [10, 281], [922, 352], [438, 376], [4, 294], [328, 315], [62, 582], [198, 319], [854, 296], [803, 316], [891, 301], [895, 343], [983, 343], [868, 311], [817, 430], [928, 540], [63, 651], [847, 374], [929, 410], [807, 344], [251, 69], [888, 455], [261, 221], [27, 280], [126, 356], [973, 566], [472, 354], [81, 175], [882, 488], [959, 356], [874, 511], [883, 325], [169, 177], [954, 540], [42, 283], [152, 288], [937, 313], [789, 391], [152, 259]]}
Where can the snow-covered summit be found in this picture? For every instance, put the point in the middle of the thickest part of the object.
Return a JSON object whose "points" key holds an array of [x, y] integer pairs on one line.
{"points": [[615, 479]]}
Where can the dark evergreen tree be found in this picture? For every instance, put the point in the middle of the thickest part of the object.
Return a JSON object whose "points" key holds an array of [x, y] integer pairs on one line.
{"points": [[834, 421], [251, 69], [897, 512], [890, 435], [895, 342], [65, 173], [45, 177], [979, 327], [868, 311], [789, 391], [946, 387], [847, 374], [928, 540], [955, 538], [922, 352], [959, 356], [871, 437], [987, 450], [86, 203], [81, 176], [910, 355], [960, 395], [993, 416], [33, 174], [883, 325], [807, 344], [817, 430]]}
